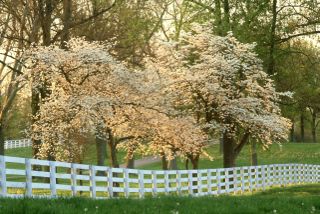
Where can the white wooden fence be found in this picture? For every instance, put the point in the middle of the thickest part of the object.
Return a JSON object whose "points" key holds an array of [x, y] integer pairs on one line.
{"points": [[11, 144], [68, 179]]}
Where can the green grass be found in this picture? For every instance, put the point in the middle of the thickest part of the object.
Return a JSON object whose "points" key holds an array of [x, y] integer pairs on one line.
{"points": [[293, 200], [89, 158], [307, 153]]}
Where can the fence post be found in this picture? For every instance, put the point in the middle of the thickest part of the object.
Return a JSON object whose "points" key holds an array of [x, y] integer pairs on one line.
{"points": [[92, 174], [28, 178], [110, 182], [209, 181], [166, 182], [218, 181], [290, 174], [141, 184], [73, 179], [190, 185], [154, 183], [53, 181], [263, 177], [303, 178], [235, 180], [242, 180], [178, 182], [126, 182], [3, 176], [250, 178], [199, 182], [295, 173]]}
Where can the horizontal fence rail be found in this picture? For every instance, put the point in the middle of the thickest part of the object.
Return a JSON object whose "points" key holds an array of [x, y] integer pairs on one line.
{"points": [[19, 177], [12, 144]]}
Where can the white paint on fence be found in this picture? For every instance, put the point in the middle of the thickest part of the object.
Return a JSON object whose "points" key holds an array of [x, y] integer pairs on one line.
{"points": [[12, 144], [18, 179]]}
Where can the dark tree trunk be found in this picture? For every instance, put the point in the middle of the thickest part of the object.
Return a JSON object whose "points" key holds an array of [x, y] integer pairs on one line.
{"points": [[314, 126], [195, 162], [130, 162], [1, 139], [231, 149], [101, 146], [217, 17], [67, 15], [226, 17], [187, 164], [292, 137], [35, 107], [221, 143], [302, 127], [164, 162], [271, 61], [254, 155], [173, 164], [45, 14], [112, 150], [229, 156]]}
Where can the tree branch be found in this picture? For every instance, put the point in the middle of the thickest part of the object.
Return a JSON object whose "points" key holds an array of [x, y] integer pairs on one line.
{"points": [[297, 35], [83, 21], [243, 142], [211, 9]]}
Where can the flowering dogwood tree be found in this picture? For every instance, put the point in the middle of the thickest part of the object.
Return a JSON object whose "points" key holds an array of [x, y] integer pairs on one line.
{"points": [[91, 92], [222, 83]]}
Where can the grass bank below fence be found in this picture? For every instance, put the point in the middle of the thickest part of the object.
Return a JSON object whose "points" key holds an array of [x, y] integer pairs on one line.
{"points": [[295, 199]]}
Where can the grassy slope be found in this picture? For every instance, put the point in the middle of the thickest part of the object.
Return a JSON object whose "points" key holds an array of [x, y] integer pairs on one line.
{"points": [[290, 153], [307, 153], [90, 155], [300, 199]]}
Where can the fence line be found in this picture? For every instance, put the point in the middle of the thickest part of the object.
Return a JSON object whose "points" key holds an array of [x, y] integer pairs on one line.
{"points": [[11, 144], [17, 179]]}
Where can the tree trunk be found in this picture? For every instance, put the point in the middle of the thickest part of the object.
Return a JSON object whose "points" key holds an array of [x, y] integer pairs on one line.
{"points": [[226, 17], [164, 162], [302, 127], [314, 126], [173, 164], [195, 162], [67, 15], [229, 156], [221, 143], [271, 61], [292, 137], [187, 164], [1, 139], [113, 151], [217, 18], [35, 107], [130, 162], [45, 14], [254, 155], [101, 146]]}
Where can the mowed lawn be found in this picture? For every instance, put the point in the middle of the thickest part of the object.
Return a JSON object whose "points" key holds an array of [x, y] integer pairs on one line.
{"points": [[90, 156], [308, 153], [293, 200]]}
